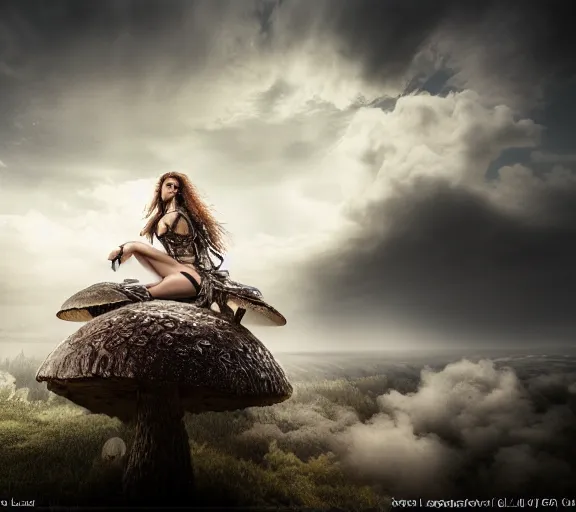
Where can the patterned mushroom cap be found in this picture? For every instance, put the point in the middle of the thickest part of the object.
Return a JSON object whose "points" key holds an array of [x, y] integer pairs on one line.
{"points": [[218, 365]]}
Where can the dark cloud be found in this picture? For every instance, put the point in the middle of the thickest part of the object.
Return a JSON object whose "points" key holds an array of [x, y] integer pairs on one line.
{"points": [[61, 57], [528, 39], [383, 36], [84, 82], [108, 38], [67, 39], [513, 42], [455, 264]]}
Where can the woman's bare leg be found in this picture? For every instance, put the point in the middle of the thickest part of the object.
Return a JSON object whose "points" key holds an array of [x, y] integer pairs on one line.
{"points": [[159, 262], [146, 264], [173, 284]]}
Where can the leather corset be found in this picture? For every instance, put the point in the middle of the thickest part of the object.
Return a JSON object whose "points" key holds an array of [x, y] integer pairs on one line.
{"points": [[178, 246]]}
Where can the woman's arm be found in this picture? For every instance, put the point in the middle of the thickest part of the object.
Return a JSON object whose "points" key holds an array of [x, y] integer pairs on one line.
{"points": [[166, 222], [129, 248]]}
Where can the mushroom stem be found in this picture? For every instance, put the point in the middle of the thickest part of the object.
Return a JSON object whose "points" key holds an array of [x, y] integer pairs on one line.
{"points": [[159, 466]]}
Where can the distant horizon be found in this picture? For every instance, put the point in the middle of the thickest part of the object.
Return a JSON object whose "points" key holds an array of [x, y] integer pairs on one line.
{"points": [[414, 352]]}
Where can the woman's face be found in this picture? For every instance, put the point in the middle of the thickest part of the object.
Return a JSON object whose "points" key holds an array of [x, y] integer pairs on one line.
{"points": [[169, 189]]}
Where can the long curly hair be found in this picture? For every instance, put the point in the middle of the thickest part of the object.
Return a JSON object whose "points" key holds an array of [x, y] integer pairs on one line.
{"points": [[189, 199]]}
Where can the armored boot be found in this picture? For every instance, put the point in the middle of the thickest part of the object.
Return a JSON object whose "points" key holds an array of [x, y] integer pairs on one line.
{"points": [[135, 292]]}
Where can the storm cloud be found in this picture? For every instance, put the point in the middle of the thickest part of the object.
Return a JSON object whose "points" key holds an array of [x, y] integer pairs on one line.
{"points": [[440, 245], [454, 262], [516, 50]]}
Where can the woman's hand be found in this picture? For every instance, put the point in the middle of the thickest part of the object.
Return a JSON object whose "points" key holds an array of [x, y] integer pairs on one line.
{"points": [[114, 254], [126, 252]]}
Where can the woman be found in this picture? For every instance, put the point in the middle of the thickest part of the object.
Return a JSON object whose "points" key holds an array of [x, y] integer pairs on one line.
{"points": [[192, 238]]}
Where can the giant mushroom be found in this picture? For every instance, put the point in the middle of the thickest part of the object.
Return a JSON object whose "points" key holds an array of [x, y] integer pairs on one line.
{"points": [[149, 363]]}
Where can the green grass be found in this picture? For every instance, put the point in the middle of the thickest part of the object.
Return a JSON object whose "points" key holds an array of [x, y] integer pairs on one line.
{"points": [[284, 480], [44, 450], [50, 452]]}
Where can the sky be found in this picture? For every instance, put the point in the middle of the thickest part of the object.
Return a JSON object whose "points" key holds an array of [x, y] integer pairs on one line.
{"points": [[393, 174]]}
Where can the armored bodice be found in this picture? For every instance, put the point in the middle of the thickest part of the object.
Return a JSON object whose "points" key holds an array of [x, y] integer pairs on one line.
{"points": [[178, 246], [191, 248]]}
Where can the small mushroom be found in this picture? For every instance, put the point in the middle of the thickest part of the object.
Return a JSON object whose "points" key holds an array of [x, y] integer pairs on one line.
{"points": [[150, 362], [113, 450]]}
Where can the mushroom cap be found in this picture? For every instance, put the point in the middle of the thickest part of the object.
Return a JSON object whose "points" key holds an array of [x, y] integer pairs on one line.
{"points": [[114, 448], [92, 301], [258, 311], [218, 365]]}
